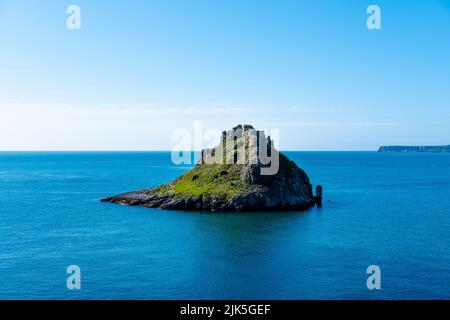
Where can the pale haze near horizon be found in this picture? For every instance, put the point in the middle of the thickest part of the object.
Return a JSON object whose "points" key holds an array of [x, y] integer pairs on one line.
{"points": [[137, 71]]}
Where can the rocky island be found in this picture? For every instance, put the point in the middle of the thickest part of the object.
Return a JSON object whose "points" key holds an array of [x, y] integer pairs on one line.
{"points": [[243, 173]]}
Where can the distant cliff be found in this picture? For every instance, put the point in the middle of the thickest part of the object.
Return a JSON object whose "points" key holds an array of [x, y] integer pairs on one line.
{"points": [[414, 149]]}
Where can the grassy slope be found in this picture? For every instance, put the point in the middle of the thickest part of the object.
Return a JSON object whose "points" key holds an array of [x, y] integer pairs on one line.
{"points": [[212, 179], [208, 180]]}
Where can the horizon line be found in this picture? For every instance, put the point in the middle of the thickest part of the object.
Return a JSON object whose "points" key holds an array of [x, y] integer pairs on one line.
{"points": [[143, 151]]}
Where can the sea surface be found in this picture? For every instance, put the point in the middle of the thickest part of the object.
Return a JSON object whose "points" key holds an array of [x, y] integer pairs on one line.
{"points": [[390, 210]]}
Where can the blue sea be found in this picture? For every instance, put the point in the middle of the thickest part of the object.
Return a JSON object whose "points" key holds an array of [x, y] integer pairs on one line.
{"points": [[390, 210]]}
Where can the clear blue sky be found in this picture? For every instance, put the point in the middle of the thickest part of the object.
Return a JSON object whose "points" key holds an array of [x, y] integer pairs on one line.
{"points": [[137, 70]]}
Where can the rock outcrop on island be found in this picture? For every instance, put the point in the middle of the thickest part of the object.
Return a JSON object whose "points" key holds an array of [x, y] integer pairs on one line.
{"points": [[243, 173], [414, 149]]}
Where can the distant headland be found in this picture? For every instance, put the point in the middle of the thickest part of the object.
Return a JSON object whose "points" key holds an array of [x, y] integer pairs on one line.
{"points": [[243, 173], [414, 149]]}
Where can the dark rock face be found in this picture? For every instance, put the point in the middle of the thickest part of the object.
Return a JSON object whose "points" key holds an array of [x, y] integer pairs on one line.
{"points": [[318, 197], [239, 187]]}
